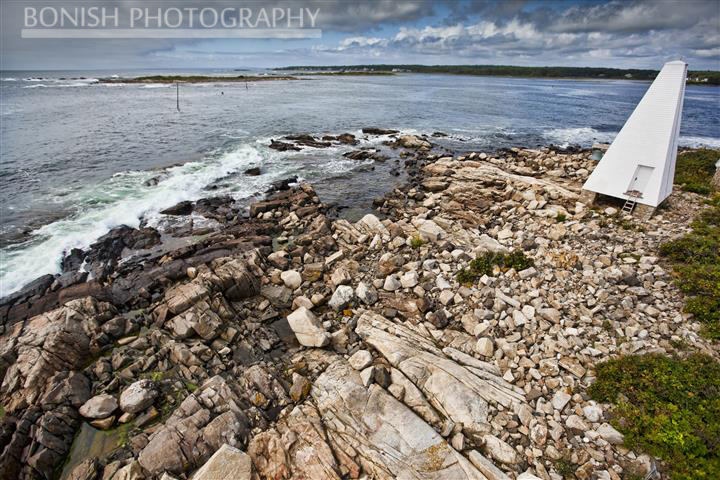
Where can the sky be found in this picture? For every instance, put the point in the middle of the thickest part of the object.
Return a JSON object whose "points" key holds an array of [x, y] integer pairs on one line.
{"points": [[620, 34]]}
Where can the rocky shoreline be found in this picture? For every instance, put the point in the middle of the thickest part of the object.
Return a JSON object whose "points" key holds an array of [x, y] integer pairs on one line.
{"points": [[293, 344]]}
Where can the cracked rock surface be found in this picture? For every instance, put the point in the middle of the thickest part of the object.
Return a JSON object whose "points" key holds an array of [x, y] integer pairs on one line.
{"points": [[288, 343]]}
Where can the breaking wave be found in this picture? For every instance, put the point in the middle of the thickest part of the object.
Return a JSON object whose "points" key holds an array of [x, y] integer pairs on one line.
{"points": [[586, 136], [123, 199]]}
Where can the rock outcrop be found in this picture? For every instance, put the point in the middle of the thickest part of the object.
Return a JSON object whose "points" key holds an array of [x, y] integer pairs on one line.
{"points": [[291, 344], [386, 437]]}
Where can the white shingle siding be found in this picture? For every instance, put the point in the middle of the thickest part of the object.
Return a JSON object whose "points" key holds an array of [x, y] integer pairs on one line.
{"points": [[648, 138]]}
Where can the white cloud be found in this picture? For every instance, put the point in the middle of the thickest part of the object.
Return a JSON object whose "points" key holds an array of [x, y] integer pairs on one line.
{"points": [[707, 52], [567, 40]]}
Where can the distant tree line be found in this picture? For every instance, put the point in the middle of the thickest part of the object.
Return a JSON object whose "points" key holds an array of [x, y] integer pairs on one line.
{"points": [[695, 77]]}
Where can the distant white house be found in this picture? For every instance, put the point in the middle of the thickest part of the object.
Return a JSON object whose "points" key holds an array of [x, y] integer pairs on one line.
{"points": [[639, 166]]}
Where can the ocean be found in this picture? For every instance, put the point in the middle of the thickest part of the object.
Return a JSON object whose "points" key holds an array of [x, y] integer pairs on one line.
{"points": [[79, 157]]}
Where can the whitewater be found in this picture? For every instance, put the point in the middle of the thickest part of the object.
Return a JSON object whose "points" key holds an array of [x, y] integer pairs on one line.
{"points": [[79, 158]]}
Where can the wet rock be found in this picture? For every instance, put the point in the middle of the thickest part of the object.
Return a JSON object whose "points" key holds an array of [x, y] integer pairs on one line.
{"points": [[283, 146], [182, 208], [103, 423], [413, 141], [282, 185], [253, 172], [307, 141], [378, 131]]}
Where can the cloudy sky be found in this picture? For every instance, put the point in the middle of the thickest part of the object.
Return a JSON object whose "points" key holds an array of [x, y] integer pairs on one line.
{"points": [[624, 34]]}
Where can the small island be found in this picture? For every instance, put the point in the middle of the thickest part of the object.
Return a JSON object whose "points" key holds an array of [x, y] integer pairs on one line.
{"points": [[197, 79]]}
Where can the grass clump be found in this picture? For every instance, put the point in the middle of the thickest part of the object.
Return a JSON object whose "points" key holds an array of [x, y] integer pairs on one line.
{"points": [[416, 242], [485, 264], [565, 467], [561, 217], [667, 407], [696, 259], [694, 170]]}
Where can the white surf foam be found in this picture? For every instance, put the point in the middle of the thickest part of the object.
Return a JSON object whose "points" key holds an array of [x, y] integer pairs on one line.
{"points": [[586, 136], [695, 142], [123, 199], [578, 136]]}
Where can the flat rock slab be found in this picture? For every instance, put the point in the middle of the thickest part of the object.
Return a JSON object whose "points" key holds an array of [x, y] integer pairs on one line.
{"points": [[391, 439], [228, 463], [456, 384]]}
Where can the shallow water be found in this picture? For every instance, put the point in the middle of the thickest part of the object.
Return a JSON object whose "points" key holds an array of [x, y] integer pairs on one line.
{"points": [[76, 155], [90, 442]]}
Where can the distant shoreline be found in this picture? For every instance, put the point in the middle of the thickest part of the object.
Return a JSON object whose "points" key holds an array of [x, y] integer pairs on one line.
{"points": [[196, 79], [704, 77]]}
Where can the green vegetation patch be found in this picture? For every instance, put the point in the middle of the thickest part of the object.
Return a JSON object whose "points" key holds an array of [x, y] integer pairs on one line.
{"points": [[694, 170], [485, 264], [667, 407], [416, 242], [696, 259]]}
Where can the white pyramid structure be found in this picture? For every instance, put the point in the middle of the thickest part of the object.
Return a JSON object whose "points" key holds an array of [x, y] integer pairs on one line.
{"points": [[640, 163]]}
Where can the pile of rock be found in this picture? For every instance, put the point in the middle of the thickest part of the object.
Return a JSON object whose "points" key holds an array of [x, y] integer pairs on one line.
{"points": [[293, 345]]}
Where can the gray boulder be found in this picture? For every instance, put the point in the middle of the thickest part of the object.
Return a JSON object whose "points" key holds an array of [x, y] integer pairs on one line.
{"points": [[138, 396]]}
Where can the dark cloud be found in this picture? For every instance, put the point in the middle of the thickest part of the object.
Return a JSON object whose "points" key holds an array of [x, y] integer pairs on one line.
{"points": [[617, 33], [637, 16], [498, 10], [648, 32]]}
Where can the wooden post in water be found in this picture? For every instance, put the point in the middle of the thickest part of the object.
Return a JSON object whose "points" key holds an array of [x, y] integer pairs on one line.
{"points": [[177, 85]]}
